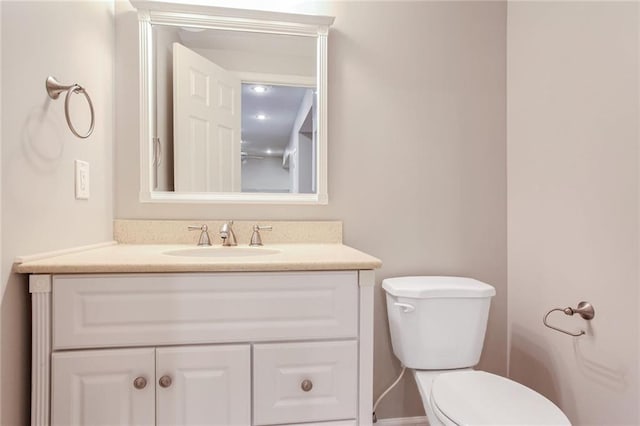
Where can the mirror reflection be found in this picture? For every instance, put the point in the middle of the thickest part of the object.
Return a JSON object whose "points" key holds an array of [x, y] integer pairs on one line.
{"points": [[235, 111]]}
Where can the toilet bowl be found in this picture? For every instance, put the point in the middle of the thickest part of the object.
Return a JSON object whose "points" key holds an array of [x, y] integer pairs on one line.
{"points": [[437, 329], [470, 397]]}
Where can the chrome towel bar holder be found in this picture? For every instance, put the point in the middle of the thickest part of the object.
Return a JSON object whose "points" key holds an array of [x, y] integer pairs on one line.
{"points": [[584, 309], [55, 88]]}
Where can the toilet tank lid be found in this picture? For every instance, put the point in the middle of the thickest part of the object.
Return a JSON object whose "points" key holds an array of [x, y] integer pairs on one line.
{"points": [[427, 287]]}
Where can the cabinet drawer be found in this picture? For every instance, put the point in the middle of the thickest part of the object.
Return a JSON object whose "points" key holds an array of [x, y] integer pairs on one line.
{"points": [[305, 382], [157, 309]]}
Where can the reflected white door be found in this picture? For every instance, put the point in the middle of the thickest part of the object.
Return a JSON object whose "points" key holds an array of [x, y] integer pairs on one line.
{"points": [[204, 385], [206, 124], [100, 388]]}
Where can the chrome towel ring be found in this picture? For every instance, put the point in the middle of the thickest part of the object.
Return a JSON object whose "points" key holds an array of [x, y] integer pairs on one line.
{"points": [[584, 309], [54, 88]]}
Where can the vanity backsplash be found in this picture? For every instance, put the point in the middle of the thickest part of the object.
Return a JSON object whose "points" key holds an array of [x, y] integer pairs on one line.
{"points": [[176, 231]]}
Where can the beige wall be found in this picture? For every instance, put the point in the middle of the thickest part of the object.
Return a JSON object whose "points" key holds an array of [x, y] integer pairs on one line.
{"points": [[417, 172], [416, 152], [573, 203], [75, 42]]}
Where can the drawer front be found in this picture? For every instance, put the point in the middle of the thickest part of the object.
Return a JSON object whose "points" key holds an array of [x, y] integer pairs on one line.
{"points": [[305, 382], [158, 309]]}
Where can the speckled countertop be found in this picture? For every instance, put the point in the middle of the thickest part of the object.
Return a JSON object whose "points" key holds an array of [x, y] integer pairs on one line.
{"points": [[123, 258], [147, 246]]}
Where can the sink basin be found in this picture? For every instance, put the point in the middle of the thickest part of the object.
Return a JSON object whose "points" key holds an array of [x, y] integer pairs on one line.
{"points": [[222, 252]]}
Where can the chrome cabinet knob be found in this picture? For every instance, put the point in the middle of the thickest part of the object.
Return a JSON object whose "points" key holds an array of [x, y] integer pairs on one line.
{"points": [[165, 381], [140, 382], [306, 385]]}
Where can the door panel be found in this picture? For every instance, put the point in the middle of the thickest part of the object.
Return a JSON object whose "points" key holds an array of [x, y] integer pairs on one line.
{"points": [[209, 385], [97, 387], [206, 120]]}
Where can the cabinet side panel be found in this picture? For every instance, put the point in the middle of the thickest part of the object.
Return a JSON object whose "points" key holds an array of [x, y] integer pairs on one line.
{"points": [[366, 281], [40, 288]]}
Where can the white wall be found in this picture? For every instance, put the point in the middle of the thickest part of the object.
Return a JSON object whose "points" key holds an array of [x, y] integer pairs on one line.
{"points": [[268, 63], [300, 166], [73, 41], [264, 175], [304, 163], [416, 151], [573, 203]]}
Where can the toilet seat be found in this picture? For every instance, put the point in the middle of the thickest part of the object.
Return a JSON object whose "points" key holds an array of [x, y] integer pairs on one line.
{"points": [[481, 398]]}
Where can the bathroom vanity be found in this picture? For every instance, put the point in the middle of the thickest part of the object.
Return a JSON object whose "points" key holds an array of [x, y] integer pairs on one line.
{"points": [[129, 334]]}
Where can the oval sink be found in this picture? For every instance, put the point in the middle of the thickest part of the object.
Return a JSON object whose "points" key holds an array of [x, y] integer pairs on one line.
{"points": [[222, 252]]}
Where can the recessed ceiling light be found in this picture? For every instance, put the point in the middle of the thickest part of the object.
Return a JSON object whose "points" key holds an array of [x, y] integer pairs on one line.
{"points": [[261, 117], [259, 89]]}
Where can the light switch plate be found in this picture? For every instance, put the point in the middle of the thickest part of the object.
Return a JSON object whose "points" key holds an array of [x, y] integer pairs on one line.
{"points": [[82, 180]]}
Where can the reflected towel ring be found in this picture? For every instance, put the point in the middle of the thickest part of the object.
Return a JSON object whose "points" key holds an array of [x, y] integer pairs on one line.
{"points": [[54, 88]]}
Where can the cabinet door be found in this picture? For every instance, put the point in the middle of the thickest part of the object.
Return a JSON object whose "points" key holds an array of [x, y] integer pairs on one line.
{"points": [[305, 382], [204, 385], [100, 388]]}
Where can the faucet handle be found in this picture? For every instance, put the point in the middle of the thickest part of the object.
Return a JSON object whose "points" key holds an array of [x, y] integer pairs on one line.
{"points": [[256, 239], [204, 240]]}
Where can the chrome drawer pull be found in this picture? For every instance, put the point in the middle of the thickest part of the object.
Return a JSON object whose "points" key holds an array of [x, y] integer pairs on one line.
{"points": [[306, 385], [165, 381], [140, 383]]}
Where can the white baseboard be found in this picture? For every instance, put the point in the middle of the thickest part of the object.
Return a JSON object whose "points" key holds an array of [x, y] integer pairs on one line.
{"points": [[403, 421]]}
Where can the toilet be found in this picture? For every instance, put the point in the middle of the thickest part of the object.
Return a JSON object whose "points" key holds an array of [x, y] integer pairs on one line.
{"points": [[437, 329]]}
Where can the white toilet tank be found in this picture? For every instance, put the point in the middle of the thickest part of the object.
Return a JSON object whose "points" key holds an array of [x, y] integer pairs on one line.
{"points": [[437, 323]]}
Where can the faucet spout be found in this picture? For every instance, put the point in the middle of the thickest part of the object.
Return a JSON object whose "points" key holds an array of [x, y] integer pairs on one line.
{"points": [[227, 234]]}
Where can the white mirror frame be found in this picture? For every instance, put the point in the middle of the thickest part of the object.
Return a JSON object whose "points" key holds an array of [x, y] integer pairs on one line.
{"points": [[183, 15]]}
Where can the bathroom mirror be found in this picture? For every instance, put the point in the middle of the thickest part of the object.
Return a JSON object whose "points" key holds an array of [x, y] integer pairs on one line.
{"points": [[233, 105]]}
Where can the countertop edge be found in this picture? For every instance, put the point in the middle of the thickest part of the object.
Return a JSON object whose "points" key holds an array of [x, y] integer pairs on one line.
{"points": [[87, 260], [135, 269], [54, 253]]}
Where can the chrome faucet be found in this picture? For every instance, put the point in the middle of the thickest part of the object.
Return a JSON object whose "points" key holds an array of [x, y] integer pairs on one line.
{"points": [[227, 234], [204, 240]]}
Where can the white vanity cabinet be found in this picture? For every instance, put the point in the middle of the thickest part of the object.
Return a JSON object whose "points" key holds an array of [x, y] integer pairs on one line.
{"points": [[221, 348]]}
